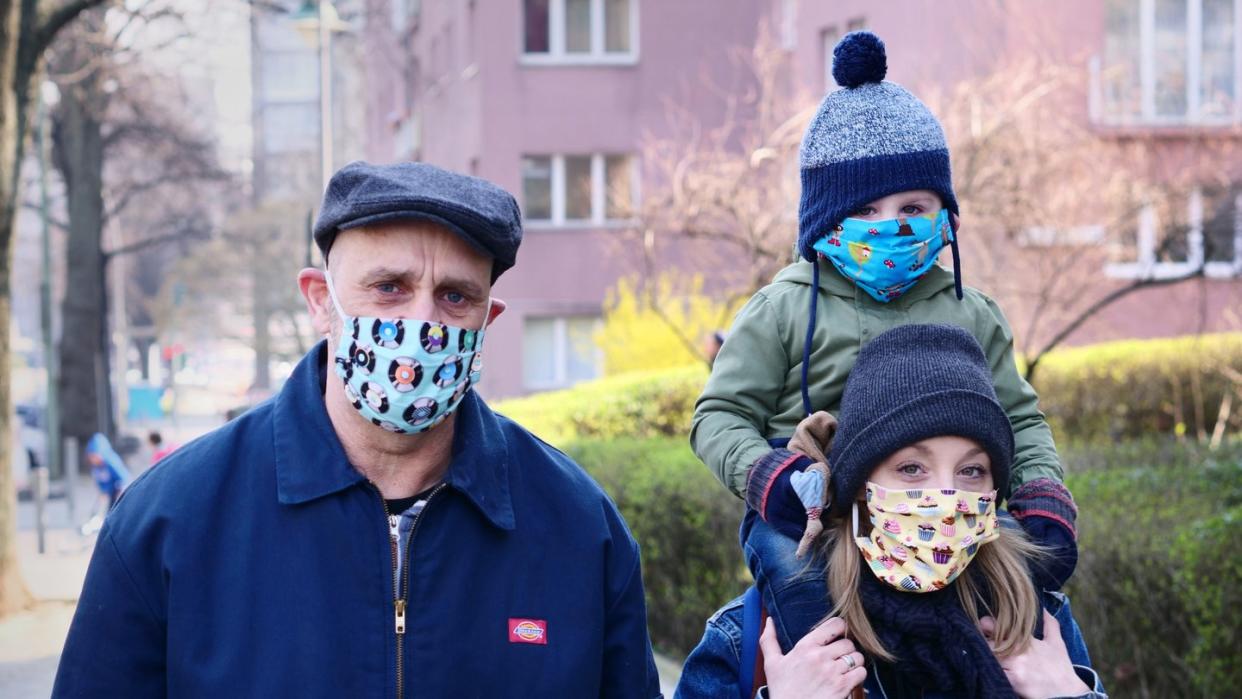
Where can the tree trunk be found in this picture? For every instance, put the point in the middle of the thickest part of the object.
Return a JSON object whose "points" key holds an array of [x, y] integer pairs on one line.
{"points": [[79, 155], [23, 38]]}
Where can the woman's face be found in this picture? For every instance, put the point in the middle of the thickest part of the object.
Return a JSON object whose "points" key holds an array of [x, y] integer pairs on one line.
{"points": [[939, 462]]}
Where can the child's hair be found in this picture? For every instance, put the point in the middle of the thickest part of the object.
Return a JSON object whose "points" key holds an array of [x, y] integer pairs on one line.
{"points": [[1002, 564]]}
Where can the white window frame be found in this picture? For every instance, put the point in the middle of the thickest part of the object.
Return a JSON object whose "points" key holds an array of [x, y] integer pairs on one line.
{"points": [[1147, 239], [1194, 72], [789, 25], [599, 193], [560, 352], [558, 56]]}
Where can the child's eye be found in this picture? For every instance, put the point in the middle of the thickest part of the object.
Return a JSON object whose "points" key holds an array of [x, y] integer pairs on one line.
{"points": [[864, 211], [912, 209]]}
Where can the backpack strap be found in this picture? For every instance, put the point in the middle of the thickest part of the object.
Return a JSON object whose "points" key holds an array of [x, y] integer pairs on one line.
{"points": [[750, 669]]}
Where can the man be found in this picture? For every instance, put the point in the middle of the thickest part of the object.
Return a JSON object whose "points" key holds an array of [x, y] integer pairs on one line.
{"points": [[374, 530]]}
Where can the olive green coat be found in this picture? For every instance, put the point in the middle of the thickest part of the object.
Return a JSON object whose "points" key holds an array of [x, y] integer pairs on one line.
{"points": [[754, 391]]}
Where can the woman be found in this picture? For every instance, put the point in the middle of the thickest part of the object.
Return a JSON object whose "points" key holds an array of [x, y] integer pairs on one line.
{"points": [[930, 594]]}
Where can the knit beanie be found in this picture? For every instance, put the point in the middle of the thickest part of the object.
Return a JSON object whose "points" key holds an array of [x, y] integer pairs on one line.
{"points": [[870, 139], [911, 383]]}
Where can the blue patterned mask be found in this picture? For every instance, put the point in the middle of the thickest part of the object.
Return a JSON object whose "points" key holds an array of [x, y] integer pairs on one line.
{"points": [[405, 375], [886, 258]]}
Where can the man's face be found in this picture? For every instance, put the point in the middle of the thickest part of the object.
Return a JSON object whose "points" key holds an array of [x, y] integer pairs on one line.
{"points": [[409, 269]]}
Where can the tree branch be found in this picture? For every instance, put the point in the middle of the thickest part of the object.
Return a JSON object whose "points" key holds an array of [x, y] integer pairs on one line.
{"points": [[58, 18]]}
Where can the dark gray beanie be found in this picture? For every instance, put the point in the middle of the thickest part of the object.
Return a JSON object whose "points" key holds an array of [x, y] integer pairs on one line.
{"points": [[481, 213], [911, 383]]}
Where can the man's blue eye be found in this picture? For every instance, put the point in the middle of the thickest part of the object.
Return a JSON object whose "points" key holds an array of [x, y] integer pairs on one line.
{"points": [[454, 297]]}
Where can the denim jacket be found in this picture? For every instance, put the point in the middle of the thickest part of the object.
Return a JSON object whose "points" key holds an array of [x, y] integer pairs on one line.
{"points": [[712, 668]]}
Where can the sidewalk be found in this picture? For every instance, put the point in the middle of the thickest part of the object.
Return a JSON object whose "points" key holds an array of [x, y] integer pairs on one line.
{"points": [[30, 641]]}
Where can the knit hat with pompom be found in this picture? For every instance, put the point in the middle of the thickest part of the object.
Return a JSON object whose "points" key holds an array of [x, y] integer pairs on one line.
{"points": [[869, 139]]}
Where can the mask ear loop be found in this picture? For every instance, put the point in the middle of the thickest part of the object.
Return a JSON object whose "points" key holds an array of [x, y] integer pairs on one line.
{"points": [[854, 516], [336, 303]]}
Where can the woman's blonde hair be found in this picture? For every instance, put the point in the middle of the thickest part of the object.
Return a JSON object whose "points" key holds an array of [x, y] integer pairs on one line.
{"points": [[1002, 564]]}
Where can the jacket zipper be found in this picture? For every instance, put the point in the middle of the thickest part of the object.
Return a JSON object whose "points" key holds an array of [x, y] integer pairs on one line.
{"points": [[401, 585]]}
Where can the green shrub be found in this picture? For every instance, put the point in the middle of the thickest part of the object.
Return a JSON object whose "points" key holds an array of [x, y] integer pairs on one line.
{"points": [[1148, 580], [1207, 567], [1137, 388], [639, 404], [1102, 393], [686, 524]]}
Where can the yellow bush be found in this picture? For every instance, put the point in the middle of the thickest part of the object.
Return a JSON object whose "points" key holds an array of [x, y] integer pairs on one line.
{"points": [[659, 326]]}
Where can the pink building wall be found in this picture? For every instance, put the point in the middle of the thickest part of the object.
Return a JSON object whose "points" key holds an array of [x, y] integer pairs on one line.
{"points": [[453, 88]]}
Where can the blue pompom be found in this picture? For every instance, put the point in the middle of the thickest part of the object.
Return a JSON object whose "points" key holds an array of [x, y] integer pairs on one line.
{"points": [[859, 58]]}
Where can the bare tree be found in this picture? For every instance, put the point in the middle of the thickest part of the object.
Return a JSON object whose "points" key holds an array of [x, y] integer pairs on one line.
{"points": [[27, 28], [120, 148], [1048, 201], [728, 192]]}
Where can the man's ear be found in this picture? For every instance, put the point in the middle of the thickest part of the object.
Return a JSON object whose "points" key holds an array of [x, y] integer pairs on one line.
{"points": [[314, 287], [498, 307]]}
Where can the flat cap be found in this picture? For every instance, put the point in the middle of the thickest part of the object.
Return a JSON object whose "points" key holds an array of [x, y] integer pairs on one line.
{"points": [[481, 213]]}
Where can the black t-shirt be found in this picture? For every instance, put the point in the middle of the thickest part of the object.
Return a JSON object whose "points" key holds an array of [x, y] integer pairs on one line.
{"points": [[399, 505]]}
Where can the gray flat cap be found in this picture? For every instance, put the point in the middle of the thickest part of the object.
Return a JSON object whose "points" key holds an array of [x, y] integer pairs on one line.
{"points": [[484, 215]]}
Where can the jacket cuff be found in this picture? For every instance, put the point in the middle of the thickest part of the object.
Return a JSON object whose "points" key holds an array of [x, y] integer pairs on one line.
{"points": [[1044, 497], [764, 473]]}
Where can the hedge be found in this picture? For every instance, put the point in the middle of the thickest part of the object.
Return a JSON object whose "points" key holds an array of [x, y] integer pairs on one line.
{"points": [[1101, 393], [686, 525], [1138, 388], [1153, 592]]}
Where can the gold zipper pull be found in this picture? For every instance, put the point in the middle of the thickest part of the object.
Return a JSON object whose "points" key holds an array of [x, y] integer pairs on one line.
{"points": [[400, 618]]}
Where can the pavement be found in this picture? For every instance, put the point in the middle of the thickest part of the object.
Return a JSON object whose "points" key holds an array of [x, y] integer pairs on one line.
{"points": [[31, 641]]}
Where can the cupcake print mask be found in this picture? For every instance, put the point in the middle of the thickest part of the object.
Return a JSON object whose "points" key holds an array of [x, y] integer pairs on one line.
{"points": [[922, 539]]}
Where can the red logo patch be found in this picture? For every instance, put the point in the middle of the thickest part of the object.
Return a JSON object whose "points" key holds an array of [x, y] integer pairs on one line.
{"points": [[528, 631]]}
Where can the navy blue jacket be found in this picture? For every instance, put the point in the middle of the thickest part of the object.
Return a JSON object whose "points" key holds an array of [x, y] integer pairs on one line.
{"points": [[256, 561]]}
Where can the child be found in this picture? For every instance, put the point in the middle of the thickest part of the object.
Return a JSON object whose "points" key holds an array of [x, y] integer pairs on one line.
{"points": [[877, 208]]}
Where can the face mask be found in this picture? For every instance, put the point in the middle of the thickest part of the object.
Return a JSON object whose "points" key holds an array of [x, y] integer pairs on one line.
{"points": [[886, 258], [921, 540], [405, 375]]}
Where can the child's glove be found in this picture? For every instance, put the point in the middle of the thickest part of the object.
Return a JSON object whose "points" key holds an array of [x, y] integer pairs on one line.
{"points": [[1047, 512], [789, 487], [770, 492]]}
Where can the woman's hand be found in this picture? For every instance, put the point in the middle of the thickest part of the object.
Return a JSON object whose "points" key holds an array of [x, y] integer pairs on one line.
{"points": [[816, 667], [1044, 669]]}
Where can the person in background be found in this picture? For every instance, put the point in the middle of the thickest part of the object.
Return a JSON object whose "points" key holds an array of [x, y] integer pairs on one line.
{"points": [[111, 477], [158, 448]]}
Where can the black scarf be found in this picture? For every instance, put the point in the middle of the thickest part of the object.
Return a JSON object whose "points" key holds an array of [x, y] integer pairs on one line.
{"points": [[938, 647]]}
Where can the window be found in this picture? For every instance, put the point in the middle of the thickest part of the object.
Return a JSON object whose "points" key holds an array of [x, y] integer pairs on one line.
{"points": [[290, 128], [789, 24], [1204, 229], [828, 38], [559, 352], [580, 31], [578, 189], [1169, 62]]}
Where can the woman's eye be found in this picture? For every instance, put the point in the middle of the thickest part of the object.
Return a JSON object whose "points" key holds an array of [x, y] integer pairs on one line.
{"points": [[973, 472], [909, 469]]}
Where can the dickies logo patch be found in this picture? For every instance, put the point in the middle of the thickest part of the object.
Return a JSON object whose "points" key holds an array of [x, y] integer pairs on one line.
{"points": [[528, 631]]}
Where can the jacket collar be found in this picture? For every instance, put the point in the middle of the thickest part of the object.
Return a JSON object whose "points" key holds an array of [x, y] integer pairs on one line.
{"points": [[311, 463]]}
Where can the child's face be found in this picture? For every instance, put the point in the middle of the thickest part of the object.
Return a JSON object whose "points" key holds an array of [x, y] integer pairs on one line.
{"points": [[939, 462], [913, 203]]}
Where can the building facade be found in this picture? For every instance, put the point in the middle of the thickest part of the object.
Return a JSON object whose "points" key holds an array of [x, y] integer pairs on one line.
{"points": [[553, 100]]}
